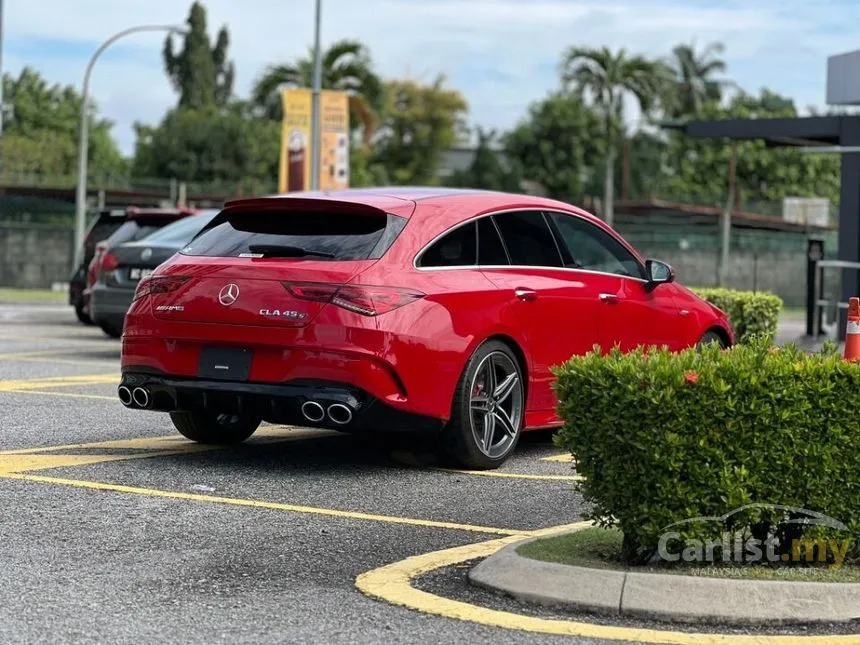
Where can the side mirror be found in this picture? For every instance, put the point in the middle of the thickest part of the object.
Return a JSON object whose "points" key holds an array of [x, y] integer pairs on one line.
{"points": [[658, 273]]}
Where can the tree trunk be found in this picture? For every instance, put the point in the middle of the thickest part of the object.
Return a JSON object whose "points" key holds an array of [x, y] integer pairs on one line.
{"points": [[609, 187]]}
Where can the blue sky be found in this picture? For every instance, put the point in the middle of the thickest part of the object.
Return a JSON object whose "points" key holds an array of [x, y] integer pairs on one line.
{"points": [[502, 54]]}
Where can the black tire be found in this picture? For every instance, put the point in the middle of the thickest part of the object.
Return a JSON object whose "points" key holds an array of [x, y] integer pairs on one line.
{"points": [[711, 337], [82, 315], [221, 429], [460, 438], [111, 330]]}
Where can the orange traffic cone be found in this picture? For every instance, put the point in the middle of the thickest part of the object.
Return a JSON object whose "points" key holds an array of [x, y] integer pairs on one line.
{"points": [[852, 331]]}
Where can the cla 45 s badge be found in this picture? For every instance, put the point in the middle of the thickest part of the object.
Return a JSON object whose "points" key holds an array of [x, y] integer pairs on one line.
{"points": [[277, 313]]}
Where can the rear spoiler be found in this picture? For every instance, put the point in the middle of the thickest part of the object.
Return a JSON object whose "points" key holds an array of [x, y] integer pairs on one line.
{"points": [[296, 203], [135, 212]]}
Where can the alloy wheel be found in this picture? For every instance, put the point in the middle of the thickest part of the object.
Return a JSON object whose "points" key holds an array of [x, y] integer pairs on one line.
{"points": [[496, 404]]}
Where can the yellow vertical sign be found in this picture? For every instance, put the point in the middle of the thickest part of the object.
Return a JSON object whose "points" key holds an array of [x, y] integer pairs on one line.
{"points": [[295, 141], [295, 164]]}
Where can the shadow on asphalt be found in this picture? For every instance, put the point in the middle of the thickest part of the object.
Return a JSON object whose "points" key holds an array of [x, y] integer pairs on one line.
{"points": [[337, 453]]}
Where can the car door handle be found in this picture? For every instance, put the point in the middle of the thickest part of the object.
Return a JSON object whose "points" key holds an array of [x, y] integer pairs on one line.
{"points": [[525, 294], [611, 298]]}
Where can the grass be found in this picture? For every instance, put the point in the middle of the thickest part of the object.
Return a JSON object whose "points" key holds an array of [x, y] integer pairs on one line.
{"points": [[18, 296], [601, 549], [793, 313]]}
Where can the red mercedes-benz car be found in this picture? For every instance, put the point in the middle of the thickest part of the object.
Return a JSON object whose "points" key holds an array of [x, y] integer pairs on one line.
{"points": [[393, 309]]}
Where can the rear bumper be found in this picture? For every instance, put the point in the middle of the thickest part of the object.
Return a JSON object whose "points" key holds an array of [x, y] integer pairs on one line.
{"points": [[274, 402], [109, 304]]}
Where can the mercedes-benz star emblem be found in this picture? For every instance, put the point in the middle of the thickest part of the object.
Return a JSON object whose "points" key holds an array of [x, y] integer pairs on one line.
{"points": [[147, 253], [228, 294]]}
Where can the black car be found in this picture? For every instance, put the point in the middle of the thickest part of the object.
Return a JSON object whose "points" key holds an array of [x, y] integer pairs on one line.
{"points": [[125, 264], [105, 223]]}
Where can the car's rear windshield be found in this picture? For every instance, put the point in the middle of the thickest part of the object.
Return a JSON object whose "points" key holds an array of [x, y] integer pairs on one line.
{"points": [[292, 234], [181, 231], [137, 229], [103, 229]]}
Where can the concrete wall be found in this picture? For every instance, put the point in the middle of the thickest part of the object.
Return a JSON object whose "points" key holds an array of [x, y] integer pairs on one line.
{"points": [[37, 256], [33, 256], [781, 273]]}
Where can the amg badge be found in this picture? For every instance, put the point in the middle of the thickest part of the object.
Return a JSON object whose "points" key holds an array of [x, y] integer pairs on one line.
{"points": [[277, 313], [170, 308]]}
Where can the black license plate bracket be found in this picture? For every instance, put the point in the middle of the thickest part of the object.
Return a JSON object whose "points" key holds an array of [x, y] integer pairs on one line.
{"points": [[225, 363]]}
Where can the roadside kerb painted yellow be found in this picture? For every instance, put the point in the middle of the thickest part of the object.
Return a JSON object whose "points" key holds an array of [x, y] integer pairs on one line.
{"points": [[392, 583]]}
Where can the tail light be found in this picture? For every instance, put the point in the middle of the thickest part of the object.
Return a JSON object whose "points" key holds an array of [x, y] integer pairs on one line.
{"points": [[364, 300], [109, 262], [154, 285]]}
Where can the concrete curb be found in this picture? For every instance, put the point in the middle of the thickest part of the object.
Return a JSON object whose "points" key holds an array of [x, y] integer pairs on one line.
{"points": [[666, 597]]}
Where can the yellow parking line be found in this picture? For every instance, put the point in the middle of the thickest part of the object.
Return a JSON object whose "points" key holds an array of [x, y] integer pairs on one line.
{"points": [[496, 473], [58, 381], [19, 463], [392, 583], [70, 395], [82, 340], [59, 361], [251, 503], [564, 458], [177, 442], [44, 352]]}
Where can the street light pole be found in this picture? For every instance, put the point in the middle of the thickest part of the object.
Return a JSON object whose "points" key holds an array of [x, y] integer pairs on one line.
{"points": [[1, 68], [315, 102], [84, 136]]}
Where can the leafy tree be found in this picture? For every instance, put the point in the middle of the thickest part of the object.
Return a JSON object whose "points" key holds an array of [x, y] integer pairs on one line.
{"points": [[697, 169], [201, 74], [42, 134], [608, 77], [209, 144], [364, 171], [556, 144], [489, 169], [694, 84], [346, 66], [422, 121]]}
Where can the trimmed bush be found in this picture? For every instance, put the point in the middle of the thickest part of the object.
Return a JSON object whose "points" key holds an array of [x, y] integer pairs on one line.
{"points": [[663, 437], [750, 313]]}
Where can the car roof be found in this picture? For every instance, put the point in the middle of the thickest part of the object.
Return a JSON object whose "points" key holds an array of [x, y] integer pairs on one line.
{"points": [[455, 203]]}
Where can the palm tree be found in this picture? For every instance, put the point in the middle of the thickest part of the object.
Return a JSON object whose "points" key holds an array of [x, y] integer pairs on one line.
{"points": [[346, 66], [693, 72], [609, 78]]}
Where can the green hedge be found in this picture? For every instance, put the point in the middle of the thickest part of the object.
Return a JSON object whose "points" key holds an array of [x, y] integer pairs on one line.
{"points": [[663, 437], [750, 313]]}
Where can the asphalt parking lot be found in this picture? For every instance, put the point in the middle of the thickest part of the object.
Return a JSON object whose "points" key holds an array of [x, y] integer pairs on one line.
{"points": [[115, 529]]}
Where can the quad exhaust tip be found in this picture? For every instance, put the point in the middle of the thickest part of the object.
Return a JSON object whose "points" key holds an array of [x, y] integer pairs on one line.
{"points": [[140, 397], [313, 411], [339, 413], [124, 395]]}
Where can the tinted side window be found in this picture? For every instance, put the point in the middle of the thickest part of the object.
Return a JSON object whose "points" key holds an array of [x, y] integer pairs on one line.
{"points": [[491, 251], [457, 248], [528, 239], [594, 249]]}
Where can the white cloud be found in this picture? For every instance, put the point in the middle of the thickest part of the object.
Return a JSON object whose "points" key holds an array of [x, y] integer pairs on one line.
{"points": [[500, 53]]}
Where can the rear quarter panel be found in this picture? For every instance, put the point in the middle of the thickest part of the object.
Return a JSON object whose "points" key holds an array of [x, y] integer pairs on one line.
{"points": [[432, 339]]}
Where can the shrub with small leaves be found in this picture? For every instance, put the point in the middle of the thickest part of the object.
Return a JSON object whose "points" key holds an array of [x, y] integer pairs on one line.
{"points": [[750, 313], [662, 437]]}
